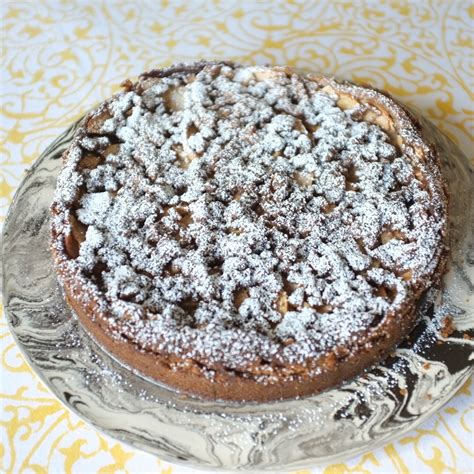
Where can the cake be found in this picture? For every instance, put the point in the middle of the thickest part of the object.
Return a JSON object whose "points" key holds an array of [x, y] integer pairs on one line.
{"points": [[248, 233]]}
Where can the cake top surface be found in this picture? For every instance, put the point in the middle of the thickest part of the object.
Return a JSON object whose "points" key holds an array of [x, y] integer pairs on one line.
{"points": [[240, 214]]}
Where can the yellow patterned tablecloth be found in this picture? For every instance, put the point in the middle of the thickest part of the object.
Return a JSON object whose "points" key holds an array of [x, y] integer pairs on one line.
{"points": [[59, 58]]}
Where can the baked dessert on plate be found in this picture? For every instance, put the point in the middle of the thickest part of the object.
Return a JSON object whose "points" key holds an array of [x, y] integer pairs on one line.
{"points": [[248, 233]]}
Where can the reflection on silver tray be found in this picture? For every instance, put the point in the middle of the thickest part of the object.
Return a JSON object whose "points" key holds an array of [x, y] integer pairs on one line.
{"points": [[372, 409]]}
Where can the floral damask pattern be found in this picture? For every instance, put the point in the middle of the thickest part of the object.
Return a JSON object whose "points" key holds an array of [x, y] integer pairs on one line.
{"points": [[59, 58]]}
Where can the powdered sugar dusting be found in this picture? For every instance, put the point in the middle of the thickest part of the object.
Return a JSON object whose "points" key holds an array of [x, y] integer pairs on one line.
{"points": [[239, 216]]}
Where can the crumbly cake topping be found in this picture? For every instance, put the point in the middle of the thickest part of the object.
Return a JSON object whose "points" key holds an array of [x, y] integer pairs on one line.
{"points": [[241, 215]]}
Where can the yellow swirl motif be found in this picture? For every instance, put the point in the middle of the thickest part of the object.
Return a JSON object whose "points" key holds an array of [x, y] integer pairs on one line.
{"points": [[60, 58]]}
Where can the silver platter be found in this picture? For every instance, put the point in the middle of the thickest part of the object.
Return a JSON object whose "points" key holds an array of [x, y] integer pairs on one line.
{"points": [[371, 410]]}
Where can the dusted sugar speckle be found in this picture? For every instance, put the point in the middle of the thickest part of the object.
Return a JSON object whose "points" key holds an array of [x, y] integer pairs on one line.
{"points": [[243, 215]]}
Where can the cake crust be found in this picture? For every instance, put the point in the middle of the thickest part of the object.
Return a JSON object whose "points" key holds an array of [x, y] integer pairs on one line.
{"points": [[248, 326]]}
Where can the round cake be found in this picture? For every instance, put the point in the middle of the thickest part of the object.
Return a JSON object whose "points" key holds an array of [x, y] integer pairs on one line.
{"points": [[248, 233]]}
